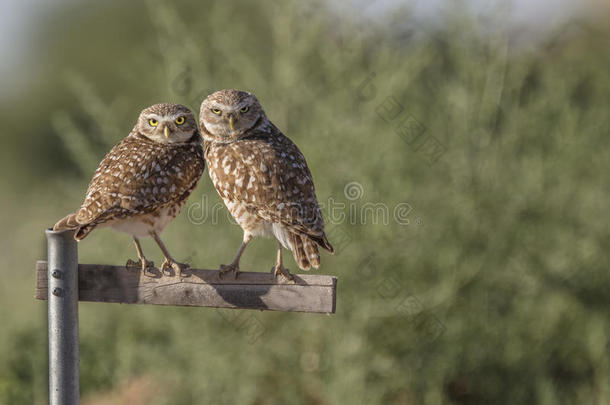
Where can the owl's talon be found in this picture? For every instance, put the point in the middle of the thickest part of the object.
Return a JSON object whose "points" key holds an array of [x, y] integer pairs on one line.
{"points": [[165, 269], [145, 265], [132, 263], [281, 270], [179, 268], [227, 268]]}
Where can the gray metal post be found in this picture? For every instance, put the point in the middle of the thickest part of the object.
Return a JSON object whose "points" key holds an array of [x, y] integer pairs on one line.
{"points": [[63, 318]]}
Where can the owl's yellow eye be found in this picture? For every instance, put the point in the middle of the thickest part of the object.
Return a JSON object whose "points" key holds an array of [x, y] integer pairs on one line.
{"points": [[216, 111], [180, 120], [245, 109], [153, 122]]}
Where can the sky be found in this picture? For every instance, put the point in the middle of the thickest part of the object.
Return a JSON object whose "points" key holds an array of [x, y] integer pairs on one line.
{"points": [[16, 29]]}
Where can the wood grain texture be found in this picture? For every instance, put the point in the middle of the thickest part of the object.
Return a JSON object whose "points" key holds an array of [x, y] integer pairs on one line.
{"points": [[203, 288]]}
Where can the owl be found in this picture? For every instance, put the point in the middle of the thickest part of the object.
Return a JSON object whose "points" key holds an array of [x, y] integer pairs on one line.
{"points": [[144, 181], [262, 178]]}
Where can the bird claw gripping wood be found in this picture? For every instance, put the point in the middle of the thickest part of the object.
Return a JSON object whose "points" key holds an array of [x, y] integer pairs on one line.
{"points": [[228, 268], [145, 265], [280, 270], [179, 268]]}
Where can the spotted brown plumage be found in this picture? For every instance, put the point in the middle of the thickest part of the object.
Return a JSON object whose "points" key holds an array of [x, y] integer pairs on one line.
{"points": [[144, 181], [262, 178], [140, 177]]}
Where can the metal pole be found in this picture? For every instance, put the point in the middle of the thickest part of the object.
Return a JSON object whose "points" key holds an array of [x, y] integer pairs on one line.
{"points": [[63, 318]]}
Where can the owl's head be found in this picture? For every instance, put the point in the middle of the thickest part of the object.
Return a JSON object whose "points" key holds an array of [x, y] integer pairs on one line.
{"points": [[167, 123], [227, 115]]}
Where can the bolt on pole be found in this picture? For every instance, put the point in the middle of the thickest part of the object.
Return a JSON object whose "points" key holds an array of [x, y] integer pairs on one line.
{"points": [[62, 261]]}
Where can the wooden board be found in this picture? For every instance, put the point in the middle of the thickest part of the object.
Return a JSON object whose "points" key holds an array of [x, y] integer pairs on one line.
{"points": [[203, 288]]}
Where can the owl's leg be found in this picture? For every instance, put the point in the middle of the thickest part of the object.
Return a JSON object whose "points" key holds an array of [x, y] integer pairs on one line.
{"points": [[279, 265], [144, 263], [234, 266], [169, 260]]}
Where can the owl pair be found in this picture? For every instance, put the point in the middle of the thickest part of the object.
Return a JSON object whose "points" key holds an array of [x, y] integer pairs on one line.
{"points": [[262, 177]]}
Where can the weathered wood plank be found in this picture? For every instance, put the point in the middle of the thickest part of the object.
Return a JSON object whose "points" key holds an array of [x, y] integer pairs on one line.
{"points": [[203, 288]]}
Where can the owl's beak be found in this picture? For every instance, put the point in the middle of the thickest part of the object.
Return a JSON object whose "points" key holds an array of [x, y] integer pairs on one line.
{"points": [[232, 122], [166, 132]]}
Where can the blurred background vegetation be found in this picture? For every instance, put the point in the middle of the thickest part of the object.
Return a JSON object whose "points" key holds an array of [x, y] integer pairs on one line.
{"points": [[492, 286]]}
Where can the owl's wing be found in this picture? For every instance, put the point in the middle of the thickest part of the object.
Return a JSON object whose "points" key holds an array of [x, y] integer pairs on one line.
{"points": [[139, 176], [271, 179]]}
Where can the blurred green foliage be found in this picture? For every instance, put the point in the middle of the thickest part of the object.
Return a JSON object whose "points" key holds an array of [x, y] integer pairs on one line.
{"points": [[496, 291]]}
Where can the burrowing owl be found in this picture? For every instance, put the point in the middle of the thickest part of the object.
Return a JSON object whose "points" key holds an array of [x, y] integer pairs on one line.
{"points": [[144, 181], [262, 177]]}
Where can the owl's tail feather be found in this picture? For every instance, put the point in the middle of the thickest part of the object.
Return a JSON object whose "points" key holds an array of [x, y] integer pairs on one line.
{"points": [[305, 251], [298, 251], [69, 222], [84, 231], [323, 241], [311, 250]]}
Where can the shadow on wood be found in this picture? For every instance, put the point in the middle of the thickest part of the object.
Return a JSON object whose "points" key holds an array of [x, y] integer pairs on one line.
{"points": [[203, 288]]}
